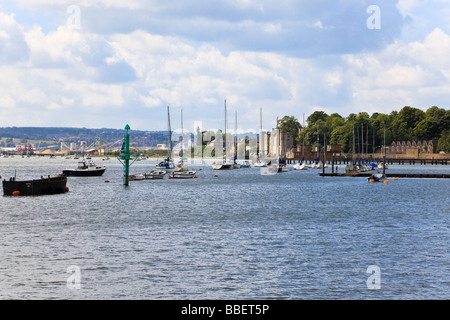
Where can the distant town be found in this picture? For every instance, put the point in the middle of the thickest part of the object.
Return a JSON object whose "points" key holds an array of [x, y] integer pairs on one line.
{"points": [[59, 141]]}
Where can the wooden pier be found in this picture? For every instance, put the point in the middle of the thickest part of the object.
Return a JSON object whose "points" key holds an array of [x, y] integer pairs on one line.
{"points": [[399, 161], [389, 175]]}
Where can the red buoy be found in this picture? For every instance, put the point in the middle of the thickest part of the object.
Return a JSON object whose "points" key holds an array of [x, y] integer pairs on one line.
{"points": [[16, 193]]}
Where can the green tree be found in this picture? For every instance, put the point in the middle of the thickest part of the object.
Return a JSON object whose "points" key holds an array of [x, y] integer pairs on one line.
{"points": [[405, 122], [290, 124], [427, 129], [444, 142], [342, 135], [440, 116], [316, 116]]}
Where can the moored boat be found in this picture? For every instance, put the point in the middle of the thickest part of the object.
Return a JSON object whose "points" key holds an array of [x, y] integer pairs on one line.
{"points": [[377, 177], [157, 174], [300, 166], [380, 176], [222, 165], [136, 177], [85, 169], [183, 174], [166, 165], [351, 168], [382, 165], [43, 186], [246, 164], [260, 163], [225, 164]]}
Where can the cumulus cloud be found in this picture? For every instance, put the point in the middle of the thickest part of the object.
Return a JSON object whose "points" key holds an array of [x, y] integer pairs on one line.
{"points": [[298, 28], [129, 60], [416, 74], [12, 44]]}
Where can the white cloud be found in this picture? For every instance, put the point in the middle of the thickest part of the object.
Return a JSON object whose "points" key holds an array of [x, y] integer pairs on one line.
{"points": [[415, 74], [52, 4], [12, 45], [102, 79], [406, 6]]}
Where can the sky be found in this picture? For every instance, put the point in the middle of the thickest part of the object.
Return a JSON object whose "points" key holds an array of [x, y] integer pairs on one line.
{"points": [[108, 63]]}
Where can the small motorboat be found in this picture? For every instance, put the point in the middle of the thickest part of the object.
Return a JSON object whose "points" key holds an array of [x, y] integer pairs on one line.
{"points": [[157, 174], [85, 169], [377, 177], [167, 165], [136, 177], [246, 164], [183, 174]]}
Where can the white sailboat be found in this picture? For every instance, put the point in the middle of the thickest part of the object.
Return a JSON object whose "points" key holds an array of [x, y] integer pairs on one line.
{"points": [[260, 163], [180, 165], [181, 171], [225, 164], [380, 176], [382, 165], [302, 165], [259, 160]]}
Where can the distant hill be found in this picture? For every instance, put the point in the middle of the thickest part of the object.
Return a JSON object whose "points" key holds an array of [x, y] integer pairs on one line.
{"points": [[104, 135]]}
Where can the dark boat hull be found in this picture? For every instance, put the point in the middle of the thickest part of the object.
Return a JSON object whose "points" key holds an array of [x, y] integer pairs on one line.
{"points": [[84, 173], [50, 185], [377, 177]]}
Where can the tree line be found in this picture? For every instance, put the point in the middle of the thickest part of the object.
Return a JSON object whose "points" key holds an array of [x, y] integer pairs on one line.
{"points": [[408, 124]]}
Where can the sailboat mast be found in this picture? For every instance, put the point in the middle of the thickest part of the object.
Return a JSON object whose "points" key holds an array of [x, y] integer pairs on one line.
{"points": [[367, 140], [235, 136], [260, 118], [384, 164], [303, 136], [362, 141], [169, 131], [225, 137], [318, 143], [182, 137], [261, 143], [353, 146]]}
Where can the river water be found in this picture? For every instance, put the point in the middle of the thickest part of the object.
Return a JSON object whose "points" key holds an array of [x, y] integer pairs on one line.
{"points": [[238, 235]]}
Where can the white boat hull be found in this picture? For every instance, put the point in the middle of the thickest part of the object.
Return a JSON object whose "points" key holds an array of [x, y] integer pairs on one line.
{"points": [[155, 174], [222, 166], [136, 177], [301, 166], [183, 174], [260, 164]]}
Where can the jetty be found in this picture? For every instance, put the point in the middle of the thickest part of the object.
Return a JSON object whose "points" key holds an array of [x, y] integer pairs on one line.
{"points": [[389, 175]]}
